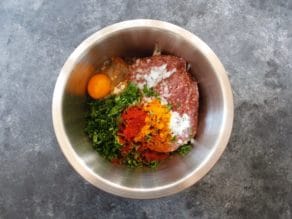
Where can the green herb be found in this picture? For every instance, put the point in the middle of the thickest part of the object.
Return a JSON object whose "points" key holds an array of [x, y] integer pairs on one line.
{"points": [[173, 138], [149, 92], [184, 149], [153, 164], [132, 160], [169, 106], [127, 97], [148, 137], [102, 121]]}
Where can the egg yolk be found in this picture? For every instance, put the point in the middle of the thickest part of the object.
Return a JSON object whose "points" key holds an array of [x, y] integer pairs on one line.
{"points": [[99, 86]]}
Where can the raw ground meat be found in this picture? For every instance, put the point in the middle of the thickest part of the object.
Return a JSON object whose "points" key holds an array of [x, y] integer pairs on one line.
{"points": [[179, 89]]}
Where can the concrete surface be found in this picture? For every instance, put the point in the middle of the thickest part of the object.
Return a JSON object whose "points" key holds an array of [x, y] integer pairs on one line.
{"points": [[252, 38]]}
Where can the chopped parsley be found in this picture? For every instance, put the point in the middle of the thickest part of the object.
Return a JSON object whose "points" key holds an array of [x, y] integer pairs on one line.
{"points": [[169, 106], [184, 149], [153, 164], [149, 92], [102, 125], [173, 138], [132, 159]]}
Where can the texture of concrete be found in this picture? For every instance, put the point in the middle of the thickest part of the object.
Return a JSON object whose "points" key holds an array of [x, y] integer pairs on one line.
{"points": [[253, 39]]}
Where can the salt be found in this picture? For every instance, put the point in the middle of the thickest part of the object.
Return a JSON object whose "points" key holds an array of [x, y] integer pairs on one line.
{"points": [[179, 125], [156, 75]]}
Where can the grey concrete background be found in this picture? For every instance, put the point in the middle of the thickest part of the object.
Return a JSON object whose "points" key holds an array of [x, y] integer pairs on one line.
{"points": [[253, 39]]}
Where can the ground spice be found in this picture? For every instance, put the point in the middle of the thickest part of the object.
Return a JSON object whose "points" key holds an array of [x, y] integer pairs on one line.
{"points": [[155, 134], [154, 156], [133, 121], [144, 132]]}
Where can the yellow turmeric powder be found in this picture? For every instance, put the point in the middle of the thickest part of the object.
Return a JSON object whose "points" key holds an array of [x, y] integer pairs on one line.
{"points": [[155, 133]]}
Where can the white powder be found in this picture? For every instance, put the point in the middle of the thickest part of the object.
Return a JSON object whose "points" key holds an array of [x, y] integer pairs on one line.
{"points": [[157, 74], [147, 99], [163, 100], [139, 77], [119, 87], [164, 90], [179, 125]]}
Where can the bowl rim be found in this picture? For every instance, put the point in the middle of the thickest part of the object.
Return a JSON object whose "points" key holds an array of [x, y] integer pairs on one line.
{"points": [[143, 193]]}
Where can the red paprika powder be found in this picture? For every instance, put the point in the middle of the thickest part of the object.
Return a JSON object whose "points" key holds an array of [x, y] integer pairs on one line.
{"points": [[133, 121]]}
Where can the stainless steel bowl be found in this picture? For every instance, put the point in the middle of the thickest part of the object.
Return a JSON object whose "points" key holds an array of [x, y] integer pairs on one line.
{"points": [[138, 38]]}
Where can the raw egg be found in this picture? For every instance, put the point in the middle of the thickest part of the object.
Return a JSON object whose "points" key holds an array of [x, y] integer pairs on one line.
{"points": [[99, 86]]}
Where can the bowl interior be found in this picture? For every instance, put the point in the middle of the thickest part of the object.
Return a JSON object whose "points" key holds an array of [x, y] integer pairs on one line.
{"points": [[139, 42]]}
